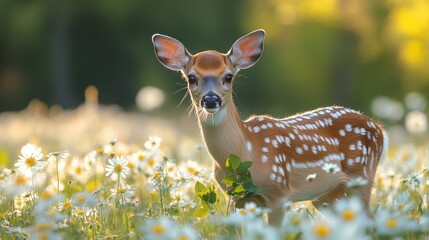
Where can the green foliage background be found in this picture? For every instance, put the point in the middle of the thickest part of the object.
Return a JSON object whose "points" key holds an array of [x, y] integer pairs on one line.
{"points": [[317, 52]]}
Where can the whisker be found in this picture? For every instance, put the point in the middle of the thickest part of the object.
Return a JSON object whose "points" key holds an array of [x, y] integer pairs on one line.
{"points": [[181, 89], [237, 78], [191, 109], [183, 98]]}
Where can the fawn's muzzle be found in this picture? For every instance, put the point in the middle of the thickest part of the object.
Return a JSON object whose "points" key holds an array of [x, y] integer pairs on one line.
{"points": [[211, 102]]}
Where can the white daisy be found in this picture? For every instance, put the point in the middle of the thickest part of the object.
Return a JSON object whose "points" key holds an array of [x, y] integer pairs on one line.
{"points": [[331, 168], [391, 224], [152, 143], [356, 182], [30, 161], [117, 167]]}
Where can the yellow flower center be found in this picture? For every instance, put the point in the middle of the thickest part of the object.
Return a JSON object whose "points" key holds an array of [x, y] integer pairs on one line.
{"points": [[243, 212], [196, 172], [78, 170], [295, 221], [99, 150], [118, 168], [67, 205], [252, 209], [183, 238], [391, 223], [121, 190], [20, 180], [349, 215], [80, 199], [45, 195], [151, 162], [155, 175], [130, 165], [191, 169], [140, 157], [158, 229], [400, 206], [44, 236], [6, 228], [18, 203], [79, 212], [43, 226], [321, 230], [30, 162]]}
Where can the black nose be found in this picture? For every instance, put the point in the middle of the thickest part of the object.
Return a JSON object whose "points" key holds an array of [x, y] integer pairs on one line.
{"points": [[210, 101]]}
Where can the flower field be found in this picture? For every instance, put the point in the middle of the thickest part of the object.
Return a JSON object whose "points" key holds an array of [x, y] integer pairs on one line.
{"points": [[99, 173]]}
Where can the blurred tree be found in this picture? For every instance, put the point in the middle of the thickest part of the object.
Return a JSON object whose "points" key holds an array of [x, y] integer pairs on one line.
{"points": [[318, 52]]}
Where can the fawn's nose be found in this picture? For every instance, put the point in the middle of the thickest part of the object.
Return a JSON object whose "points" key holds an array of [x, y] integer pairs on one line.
{"points": [[211, 102]]}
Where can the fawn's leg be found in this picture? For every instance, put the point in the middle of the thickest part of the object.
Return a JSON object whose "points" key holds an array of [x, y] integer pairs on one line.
{"points": [[330, 197]]}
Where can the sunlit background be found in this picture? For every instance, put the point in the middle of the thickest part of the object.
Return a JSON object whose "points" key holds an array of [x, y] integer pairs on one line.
{"points": [[368, 55]]}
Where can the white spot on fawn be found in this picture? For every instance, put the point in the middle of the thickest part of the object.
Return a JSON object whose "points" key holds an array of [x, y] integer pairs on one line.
{"points": [[281, 171], [275, 143], [349, 127], [264, 158], [275, 168], [287, 140], [256, 129], [249, 146]]}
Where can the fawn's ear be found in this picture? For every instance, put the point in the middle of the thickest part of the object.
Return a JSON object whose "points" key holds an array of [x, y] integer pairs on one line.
{"points": [[170, 52], [247, 50]]}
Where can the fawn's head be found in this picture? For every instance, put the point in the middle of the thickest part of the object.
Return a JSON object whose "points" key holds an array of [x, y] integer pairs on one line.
{"points": [[209, 74]]}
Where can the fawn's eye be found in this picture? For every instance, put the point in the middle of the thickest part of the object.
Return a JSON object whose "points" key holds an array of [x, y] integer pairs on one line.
{"points": [[228, 78], [192, 79]]}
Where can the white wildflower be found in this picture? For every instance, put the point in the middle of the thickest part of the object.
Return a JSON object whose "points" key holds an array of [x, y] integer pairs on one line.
{"points": [[60, 155], [31, 159], [117, 167], [259, 230], [356, 182], [390, 224], [351, 211], [331, 168], [152, 143], [416, 122]]}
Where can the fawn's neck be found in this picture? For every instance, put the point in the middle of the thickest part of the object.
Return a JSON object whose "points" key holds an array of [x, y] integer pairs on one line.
{"points": [[223, 134]]}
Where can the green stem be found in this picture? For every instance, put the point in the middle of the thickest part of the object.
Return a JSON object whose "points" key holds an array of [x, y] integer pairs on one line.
{"points": [[58, 180], [33, 183], [228, 207], [117, 188]]}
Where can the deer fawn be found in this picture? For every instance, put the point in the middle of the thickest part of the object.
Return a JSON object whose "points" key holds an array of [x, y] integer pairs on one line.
{"points": [[283, 151]]}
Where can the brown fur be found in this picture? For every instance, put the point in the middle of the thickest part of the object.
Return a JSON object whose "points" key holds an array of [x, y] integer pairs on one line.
{"points": [[208, 60]]}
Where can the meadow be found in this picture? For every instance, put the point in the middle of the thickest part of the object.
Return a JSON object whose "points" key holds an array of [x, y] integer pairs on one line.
{"points": [[98, 172]]}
